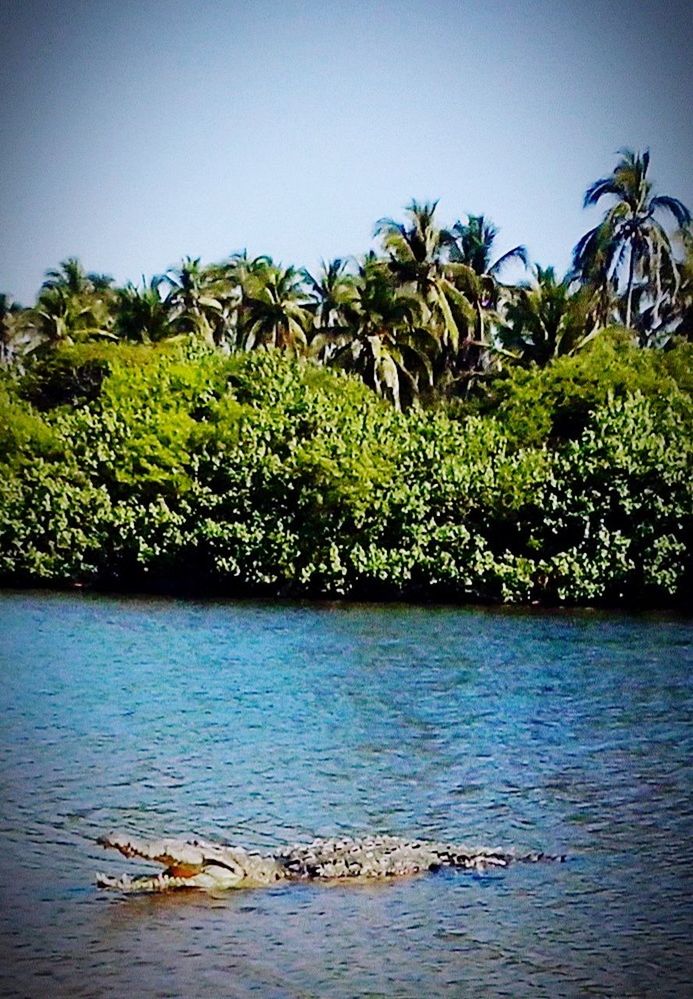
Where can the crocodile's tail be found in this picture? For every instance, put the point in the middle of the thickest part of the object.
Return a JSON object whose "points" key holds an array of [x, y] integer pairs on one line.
{"points": [[541, 857], [481, 859]]}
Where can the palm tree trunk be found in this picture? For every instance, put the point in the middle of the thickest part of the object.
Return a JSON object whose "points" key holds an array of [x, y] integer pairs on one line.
{"points": [[479, 321], [629, 290]]}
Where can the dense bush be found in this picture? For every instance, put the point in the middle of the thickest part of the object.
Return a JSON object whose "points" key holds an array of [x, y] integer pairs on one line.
{"points": [[174, 467], [555, 403]]}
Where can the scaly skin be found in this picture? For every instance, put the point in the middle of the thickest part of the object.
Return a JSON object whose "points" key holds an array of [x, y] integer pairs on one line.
{"points": [[199, 864]]}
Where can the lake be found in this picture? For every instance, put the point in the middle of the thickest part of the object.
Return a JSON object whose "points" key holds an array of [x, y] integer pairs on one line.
{"points": [[263, 723]]}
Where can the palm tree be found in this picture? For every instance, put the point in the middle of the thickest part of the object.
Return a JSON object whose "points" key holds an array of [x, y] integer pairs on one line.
{"points": [[630, 230], [672, 315], [592, 268], [470, 249], [60, 316], [74, 305], [381, 337], [142, 314], [10, 313], [546, 319], [275, 309], [682, 296], [335, 292], [237, 271], [417, 257], [471, 244], [71, 278], [241, 266], [196, 298]]}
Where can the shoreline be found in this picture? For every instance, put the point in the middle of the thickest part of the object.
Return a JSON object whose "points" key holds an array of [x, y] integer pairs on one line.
{"points": [[679, 609]]}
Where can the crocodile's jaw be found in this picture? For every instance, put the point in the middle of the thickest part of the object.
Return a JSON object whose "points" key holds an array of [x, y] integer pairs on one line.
{"points": [[207, 878], [188, 865]]}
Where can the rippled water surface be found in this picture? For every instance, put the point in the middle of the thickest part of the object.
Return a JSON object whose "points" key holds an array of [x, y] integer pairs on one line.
{"points": [[267, 723]]}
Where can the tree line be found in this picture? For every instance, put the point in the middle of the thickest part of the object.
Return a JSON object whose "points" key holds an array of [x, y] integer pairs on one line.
{"points": [[216, 430], [425, 317]]}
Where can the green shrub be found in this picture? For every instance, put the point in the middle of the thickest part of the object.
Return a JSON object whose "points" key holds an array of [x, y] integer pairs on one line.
{"points": [[555, 403], [252, 473]]}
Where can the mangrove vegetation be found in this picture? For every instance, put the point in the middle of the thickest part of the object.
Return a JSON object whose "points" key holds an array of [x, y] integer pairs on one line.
{"points": [[411, 423]]}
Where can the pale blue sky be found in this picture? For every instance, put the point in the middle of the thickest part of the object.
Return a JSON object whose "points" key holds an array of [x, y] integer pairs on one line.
{"points": [[137, 131]]}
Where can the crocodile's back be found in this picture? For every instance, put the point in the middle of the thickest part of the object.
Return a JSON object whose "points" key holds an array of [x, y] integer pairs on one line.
{"points": [[380, 857]]}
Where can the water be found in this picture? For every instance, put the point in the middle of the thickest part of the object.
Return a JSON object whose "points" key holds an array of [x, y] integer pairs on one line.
{"points": [[265, 723]]}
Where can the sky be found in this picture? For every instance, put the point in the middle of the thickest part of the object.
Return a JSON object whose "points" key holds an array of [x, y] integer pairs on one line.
{"points": [[135, 132]]}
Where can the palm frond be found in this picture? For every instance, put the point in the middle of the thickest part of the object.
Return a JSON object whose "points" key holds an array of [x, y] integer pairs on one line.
{"points": [[600, 188], [674, 207], [517, 253]]}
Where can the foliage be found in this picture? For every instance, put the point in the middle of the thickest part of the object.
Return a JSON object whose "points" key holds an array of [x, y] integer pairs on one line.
{"points": [[630, 231], [276, 313], [142, 315], [424, 317], [383, 339], [470, 244], [546, 319], [554, 404], [187, 469], [402, 424]]}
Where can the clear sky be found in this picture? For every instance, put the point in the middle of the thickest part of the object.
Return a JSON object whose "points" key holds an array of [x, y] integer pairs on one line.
{"points": [[137, 131]]}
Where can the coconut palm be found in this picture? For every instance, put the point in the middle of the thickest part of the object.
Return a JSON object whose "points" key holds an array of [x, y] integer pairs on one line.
{"points": [[335, 292], [682, 296], [470, 249], [10, 328], [60, 316], [142, 314], [592, 268], [71, 278], [381, 337], [236, 273], [196, 298], [74, 305], [417, 257], [241, 266], [471, 244], [545, 318], [671, 315], [630, 244], [275, 309]]}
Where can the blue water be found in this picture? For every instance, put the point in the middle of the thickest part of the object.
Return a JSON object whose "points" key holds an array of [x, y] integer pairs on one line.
{"points": [[263, 723]]}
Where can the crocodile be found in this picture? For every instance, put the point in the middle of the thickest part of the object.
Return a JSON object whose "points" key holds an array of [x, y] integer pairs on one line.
{"points": [[197, 863]]}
